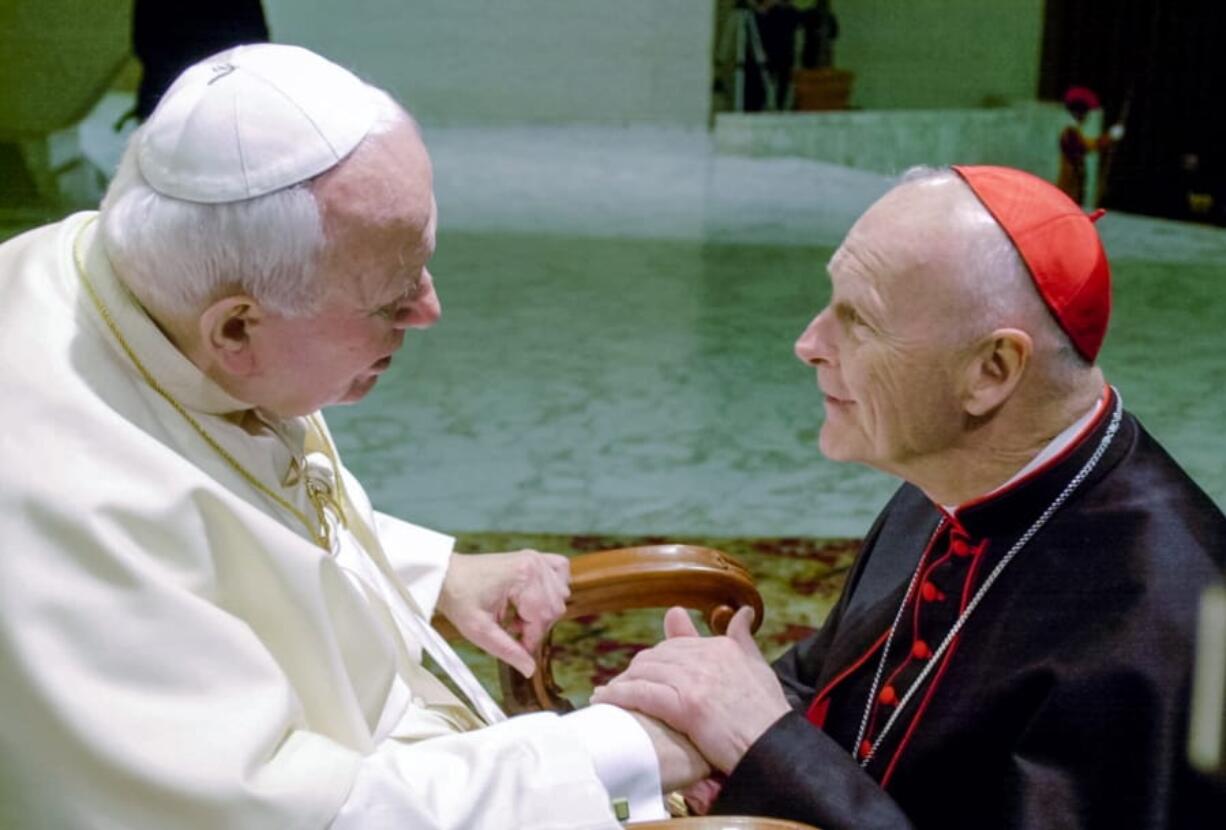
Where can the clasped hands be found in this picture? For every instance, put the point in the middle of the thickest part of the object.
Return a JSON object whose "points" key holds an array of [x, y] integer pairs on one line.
{"points": [[719, 692]]}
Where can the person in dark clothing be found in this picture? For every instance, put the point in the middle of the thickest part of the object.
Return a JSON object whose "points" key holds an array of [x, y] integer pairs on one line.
{"points": [[169, 37], [1013, 646], [770, 52], [821, 29], [1075, 145], [777, 24]]}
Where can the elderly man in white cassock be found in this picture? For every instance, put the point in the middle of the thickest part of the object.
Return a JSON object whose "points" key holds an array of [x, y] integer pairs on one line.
{"points": [[203, 622]]}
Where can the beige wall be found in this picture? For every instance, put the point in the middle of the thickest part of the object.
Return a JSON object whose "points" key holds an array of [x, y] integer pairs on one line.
{"points": [[519, 61], [919, 54]]}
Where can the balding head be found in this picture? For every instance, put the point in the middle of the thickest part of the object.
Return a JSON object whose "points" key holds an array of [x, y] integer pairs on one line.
{"points": [[935, 339], [961, 254]]}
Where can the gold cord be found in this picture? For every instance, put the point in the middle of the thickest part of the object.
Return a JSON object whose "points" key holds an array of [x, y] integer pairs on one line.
{"points": [[320, 494]]}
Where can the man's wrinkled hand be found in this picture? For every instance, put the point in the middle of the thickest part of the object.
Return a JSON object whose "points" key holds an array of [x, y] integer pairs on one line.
{"points": [[719, 691], [681, 764], [505, 603]]}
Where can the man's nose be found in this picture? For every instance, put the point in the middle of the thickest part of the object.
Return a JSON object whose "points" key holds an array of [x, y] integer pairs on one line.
{"points": [[811, 347], [422, 310]]}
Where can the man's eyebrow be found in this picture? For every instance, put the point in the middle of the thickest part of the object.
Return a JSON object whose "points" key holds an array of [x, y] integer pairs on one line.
{"points": [[397, 290], [845, 310], [857, 308]]}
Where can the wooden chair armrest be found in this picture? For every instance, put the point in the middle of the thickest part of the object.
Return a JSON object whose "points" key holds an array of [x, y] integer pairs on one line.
{"points": [[654, 576], [720, 823]]}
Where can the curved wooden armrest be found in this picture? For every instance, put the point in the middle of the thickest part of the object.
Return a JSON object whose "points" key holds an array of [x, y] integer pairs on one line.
{"points": [[654, 576], [721, 823]]}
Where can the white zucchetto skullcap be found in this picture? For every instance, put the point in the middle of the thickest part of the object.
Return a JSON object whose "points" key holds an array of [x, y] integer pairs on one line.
{"points": [[252, 120]]}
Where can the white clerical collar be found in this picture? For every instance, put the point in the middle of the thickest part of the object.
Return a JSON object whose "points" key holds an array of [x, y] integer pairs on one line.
{"points": [[1054, 447], [180, 377]]}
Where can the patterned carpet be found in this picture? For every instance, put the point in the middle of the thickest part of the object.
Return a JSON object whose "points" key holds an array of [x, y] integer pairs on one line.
{"points": [[799, 580]]}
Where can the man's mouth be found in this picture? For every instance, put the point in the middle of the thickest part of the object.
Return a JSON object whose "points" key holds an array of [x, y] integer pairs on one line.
{"points": [[381, 365]]}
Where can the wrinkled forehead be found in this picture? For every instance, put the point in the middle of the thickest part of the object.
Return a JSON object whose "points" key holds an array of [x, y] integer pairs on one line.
{"points": [[386, 185], [914, 236]]}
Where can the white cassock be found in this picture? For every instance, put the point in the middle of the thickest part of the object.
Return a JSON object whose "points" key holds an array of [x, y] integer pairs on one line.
{"points": [[175, 651]]}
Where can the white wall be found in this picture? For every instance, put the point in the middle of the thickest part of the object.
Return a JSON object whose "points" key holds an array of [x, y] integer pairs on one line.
{"points": [[460, 62]]}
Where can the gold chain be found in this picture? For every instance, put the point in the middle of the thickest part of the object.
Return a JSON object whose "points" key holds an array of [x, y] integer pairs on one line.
{"points": [[319, 494]]}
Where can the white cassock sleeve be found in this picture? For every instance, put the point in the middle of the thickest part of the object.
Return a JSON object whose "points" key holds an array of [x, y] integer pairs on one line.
{"points": [[389, 793], [623, 756]]}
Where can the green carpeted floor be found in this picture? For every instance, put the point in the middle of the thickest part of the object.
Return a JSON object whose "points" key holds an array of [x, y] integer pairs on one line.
{"points": [[799, 580]]}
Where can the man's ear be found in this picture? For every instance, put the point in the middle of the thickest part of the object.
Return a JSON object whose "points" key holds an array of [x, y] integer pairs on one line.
{"points": [[226, 330], [995, 368]]}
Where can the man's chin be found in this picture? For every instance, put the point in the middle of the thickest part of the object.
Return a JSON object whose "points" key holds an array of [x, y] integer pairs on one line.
{"points": [[834, 448], [359, 389]]}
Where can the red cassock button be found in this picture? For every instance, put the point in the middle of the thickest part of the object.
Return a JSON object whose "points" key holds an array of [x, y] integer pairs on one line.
{"points": [[959, 547], [865, 748], [888, 696], [920, 650], [930, 592]]}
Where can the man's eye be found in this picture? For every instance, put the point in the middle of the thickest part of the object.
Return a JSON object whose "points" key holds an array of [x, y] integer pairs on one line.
{"points": [[852, 317], [397, 307]]}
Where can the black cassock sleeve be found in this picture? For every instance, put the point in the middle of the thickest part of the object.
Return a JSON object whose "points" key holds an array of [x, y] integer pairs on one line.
{"points": [[796, 771]]}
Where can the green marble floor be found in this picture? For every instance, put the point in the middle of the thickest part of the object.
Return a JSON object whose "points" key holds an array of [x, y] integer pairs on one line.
{"points": [[615, 349], [648, 386]]}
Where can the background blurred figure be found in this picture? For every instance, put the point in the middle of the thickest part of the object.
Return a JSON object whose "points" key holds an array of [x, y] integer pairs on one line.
{"points": [[169, 37], [1075, 145], [767, 52], [778, 21], [821, 29]]}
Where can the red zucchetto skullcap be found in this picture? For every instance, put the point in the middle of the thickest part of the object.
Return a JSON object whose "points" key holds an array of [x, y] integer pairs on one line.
{"points": [[1059, 245]]}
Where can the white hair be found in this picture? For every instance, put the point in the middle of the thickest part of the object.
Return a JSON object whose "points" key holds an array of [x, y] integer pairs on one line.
{"points": [[177, 256], [999, 289]]}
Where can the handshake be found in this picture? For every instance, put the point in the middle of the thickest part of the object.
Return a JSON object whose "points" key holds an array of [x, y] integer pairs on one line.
{"points": [[703, 701]]}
